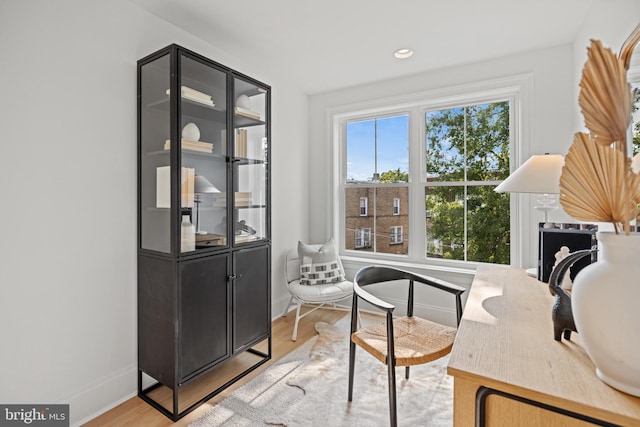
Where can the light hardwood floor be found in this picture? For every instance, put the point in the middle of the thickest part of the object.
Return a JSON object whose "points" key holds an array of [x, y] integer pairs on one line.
{"points": [[135, 412]]}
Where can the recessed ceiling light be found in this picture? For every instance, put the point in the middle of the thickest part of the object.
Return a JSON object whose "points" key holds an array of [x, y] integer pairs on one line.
{"points": [[403, 53]]}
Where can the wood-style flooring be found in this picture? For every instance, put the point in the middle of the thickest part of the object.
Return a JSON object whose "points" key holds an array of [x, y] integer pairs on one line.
{"points": [[135, 412]]}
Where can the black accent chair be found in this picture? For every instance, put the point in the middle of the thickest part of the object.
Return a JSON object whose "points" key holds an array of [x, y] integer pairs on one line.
{"points": [[409, 339]]}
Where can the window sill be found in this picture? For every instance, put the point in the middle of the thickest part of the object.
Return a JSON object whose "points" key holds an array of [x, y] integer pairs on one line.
{"points": [[422, 268]]}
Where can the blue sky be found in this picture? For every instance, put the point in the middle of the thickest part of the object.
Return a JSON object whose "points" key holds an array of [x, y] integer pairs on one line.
{"points": [[392, 145]]}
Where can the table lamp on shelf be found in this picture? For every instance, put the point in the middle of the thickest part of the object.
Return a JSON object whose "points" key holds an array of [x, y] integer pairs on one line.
{"points": [[201, 186], [538, 175]]}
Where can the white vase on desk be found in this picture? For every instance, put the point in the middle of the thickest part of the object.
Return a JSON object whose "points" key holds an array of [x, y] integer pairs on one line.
{"points": [[606, 308]]}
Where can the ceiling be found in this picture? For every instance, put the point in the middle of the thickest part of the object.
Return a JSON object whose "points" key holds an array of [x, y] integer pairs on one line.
{"points": [[331, 44]]}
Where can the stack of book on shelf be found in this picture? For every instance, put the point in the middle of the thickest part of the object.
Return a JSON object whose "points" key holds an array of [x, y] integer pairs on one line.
{"points": [[194, 95], [244, 237], [187, 144], [247, 113], [205, 240], [241, 143], [220, 200], [241, 198]]}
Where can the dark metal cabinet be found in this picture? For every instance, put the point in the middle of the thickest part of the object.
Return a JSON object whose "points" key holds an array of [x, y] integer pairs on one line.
{"points": [[204, 276]]}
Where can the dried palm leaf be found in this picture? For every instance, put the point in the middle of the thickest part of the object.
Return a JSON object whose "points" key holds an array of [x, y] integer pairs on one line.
{"points": [[626, 51], [605, 96], [597, 183]]}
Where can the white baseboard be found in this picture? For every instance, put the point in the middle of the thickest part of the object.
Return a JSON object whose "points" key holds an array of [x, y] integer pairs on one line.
{"points": [[102, 396], [444, 315], [278, 306]]}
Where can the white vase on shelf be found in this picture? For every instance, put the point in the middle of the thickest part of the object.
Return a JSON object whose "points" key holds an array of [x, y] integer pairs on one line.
{"points": [[187, 235], [191, 131], [605, 300], [243, 101]]}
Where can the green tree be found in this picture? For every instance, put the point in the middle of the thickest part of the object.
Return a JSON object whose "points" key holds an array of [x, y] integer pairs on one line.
{"points": [[445, 221], [468, 144], [394, 176]]}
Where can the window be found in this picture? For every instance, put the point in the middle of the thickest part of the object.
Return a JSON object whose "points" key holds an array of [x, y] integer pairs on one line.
{"points": [[440, 158], [363, 238], [467, 154], [364, 202], [377, 177], [395, 235]]}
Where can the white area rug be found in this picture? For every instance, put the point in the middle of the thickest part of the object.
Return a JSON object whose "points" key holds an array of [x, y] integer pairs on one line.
{"points": [[309, 387]]}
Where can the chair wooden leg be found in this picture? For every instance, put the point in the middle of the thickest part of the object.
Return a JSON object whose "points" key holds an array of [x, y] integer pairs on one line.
{"points": [[294, 337], [393, 410], [352, 365]]}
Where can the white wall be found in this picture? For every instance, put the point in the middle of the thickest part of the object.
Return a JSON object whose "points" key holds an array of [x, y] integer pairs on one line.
{"points": [[550, 123], [611, 23], [68, 177]]}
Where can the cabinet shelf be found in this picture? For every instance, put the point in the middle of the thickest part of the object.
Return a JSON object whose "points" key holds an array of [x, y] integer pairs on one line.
{"points": [[241, 121], [187, 152], [252, 206], [249, 206], [241, 161], [192, 109]]}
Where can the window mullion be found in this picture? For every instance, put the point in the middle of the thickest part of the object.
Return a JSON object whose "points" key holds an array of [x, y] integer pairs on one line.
{"points": [[465, 196], [417, 172]]}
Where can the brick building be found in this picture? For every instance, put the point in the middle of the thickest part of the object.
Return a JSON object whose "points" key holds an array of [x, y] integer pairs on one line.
{"points": [[377, 219]]}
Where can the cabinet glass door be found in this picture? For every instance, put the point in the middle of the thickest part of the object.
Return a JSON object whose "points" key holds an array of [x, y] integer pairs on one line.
{"points": [[250, 162], [203, 142], [155, 185]]}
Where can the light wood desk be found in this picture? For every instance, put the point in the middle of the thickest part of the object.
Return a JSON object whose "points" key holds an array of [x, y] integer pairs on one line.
{"points": [[509, 371]]}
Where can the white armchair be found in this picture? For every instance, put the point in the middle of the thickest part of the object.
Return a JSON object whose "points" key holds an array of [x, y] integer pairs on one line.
{"points": [[325, 295]]}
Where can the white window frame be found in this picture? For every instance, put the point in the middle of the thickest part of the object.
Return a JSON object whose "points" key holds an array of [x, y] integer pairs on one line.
{"points": [[364, 206], [518, 90], [364, 236], [396, 235], [396, 206]]}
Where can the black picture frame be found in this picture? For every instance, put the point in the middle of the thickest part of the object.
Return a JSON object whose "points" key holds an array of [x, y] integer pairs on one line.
{"points": [[552, 236]]}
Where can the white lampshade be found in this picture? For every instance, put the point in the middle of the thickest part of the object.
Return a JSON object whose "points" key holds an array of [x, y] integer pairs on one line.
{"points": [[202, 185], [540, 174]]}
